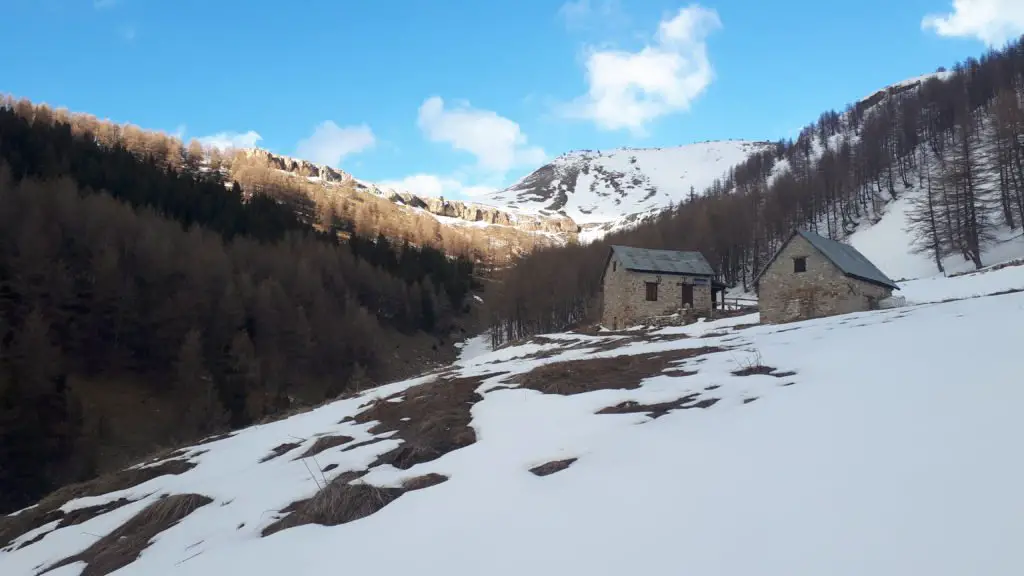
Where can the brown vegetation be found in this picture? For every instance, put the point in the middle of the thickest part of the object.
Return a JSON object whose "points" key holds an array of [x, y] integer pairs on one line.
{"points": [[280, 450], [146, 302], [549, 468], [341, 501], [122, 546], [324, 443], [608, 373], [48, 509], [660, 409], [432, 420]]}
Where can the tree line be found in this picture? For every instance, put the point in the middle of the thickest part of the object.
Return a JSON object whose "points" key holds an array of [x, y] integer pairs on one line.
{"points": [[956, 141], [145, 302]]}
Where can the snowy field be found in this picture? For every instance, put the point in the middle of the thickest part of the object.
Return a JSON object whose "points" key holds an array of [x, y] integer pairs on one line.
{"points": [[875, 443]]}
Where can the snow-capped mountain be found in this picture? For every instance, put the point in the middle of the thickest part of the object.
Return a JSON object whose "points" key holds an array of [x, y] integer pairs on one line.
{"points": [[606, 187]]}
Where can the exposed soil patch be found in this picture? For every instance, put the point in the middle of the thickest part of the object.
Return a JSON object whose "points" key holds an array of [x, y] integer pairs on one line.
{"points": [[324, 443], [749, 400], [280, 450], [432, 421], [329, 467], [610, 373], [549, 468], [124, 545], [340, 502], [47, 510], [660, 409]]}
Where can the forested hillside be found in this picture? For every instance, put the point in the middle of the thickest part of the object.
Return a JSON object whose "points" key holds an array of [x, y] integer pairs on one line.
{"points": [[145, 302], [955, 141]]}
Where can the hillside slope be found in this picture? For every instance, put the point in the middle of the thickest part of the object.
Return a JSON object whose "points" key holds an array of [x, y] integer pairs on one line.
{"points": [[717, 448]]}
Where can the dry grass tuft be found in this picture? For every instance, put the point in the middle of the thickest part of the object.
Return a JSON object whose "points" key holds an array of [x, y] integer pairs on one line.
{"points": [[280, 450], [324, 443], [424, 481], [124, 545], [337, 503], [752, 370], [438, 421], [609, 373], [549, 468], [47, 510]]}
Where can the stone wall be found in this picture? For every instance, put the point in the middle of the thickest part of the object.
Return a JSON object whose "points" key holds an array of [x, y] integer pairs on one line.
{"points": [[625, 296], [822, 290]]}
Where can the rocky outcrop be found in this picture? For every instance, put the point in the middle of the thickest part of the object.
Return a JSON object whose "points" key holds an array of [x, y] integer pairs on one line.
{"points": [[467, 211], [300, 167]]}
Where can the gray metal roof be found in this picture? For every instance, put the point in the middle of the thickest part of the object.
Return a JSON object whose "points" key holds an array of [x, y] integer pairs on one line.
{"points": [[662, 261], [845, 257]]}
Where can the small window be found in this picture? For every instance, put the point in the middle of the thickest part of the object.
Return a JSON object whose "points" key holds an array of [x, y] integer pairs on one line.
{"points": [[615, 266], [652, 291], [800, 264]]}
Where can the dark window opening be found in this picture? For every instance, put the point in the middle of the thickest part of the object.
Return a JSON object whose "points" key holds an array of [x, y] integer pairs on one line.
{"points": [[687, 295], [652, 291], [800, 264], [615, 266]]}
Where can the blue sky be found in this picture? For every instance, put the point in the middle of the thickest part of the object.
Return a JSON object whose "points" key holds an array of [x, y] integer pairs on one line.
{"points": [[456, 97]]}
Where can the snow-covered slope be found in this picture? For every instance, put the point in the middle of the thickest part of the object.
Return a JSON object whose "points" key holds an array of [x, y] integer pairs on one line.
{"points": [[837, 446], [597, 187]]}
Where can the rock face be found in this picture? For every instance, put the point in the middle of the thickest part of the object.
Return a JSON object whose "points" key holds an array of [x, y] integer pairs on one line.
{"points": [[457, 209]]}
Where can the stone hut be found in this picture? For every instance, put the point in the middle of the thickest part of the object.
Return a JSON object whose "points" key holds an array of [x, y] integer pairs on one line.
{"points": [[639, 284], [811, 276]]}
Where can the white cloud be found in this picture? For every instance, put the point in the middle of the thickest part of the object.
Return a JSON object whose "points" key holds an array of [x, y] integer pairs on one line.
{"points": [[993, 22], [628, 90], [581, 13], [330, 143], [436, 186], [497, 142], [226, 140]]}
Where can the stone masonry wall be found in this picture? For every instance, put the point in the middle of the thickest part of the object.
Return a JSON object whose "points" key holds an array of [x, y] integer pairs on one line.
{"points": [[625, 296], [822, 290]]}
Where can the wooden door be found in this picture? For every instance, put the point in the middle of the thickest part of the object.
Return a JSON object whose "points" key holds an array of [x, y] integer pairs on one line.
{"points": [[687, 295]]}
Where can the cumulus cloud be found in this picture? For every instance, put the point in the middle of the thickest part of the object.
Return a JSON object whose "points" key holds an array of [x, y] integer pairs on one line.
{"points": [[436, 186], [330, 143], [497, 142], [628, 90], [993, 22], [226, 140]]}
